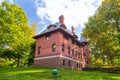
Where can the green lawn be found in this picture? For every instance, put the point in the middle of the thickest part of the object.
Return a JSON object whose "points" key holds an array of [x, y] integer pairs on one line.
{"points": [[45, 74]]}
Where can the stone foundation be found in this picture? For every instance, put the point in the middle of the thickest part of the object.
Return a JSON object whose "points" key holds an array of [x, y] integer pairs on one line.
{"points": [[57, 62]]}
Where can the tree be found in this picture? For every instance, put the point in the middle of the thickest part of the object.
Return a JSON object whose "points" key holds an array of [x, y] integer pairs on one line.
{"points": [[32, 46], [103, 31], [15, 32]]}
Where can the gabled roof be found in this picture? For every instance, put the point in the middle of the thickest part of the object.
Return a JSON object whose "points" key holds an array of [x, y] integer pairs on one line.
{"points": [[58, 27], [52, 28]]}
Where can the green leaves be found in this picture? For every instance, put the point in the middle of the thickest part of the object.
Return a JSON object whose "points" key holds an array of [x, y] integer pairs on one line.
{"points": [[103, 30], [14, 30]]}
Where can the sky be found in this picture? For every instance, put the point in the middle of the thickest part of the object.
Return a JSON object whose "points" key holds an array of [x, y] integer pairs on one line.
{"points": [[46, 12]]}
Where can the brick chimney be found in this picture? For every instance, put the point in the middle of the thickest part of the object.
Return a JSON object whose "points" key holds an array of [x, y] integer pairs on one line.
{"points": [[61, 20], [73, 30]]}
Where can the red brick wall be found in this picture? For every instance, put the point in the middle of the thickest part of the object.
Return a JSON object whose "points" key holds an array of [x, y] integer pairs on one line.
{"points": [[46, 50], [46, 45], [86, 55], [68, 43]]}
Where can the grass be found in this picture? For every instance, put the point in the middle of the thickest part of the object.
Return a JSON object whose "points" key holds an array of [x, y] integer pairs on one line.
{"points": [[46, 74]]}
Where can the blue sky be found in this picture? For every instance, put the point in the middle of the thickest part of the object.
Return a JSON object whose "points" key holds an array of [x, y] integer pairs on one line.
{"points": [[46, 12]]}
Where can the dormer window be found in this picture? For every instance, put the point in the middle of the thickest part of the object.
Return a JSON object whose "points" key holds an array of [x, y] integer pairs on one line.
{"points": [[47, 37], [51, 27], [63, 26]]}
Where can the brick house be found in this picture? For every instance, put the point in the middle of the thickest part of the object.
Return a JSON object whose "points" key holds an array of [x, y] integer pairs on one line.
{"points": [[59, 48]]}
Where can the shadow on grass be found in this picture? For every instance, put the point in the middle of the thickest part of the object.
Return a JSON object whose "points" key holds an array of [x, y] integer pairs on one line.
{"points": [[25, 74]]}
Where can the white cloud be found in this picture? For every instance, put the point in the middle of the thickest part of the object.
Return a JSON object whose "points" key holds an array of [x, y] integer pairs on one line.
{"points": [[1, 1], [76, 12], [11, 1]]}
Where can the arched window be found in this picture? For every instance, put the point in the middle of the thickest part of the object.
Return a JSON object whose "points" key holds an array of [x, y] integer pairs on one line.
{"points": [[53, 47]]}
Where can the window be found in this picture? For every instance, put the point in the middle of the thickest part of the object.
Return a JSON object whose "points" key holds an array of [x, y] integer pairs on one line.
{"points": [[87, 62], [68, 50], [69, 63], [48, 37], [73, 53], [76, 54], [80, 65], [63, 46], [39, 50], [63, 62], [73, 42], [77, 65], [53, 47], [87, 52], [81, 56]]}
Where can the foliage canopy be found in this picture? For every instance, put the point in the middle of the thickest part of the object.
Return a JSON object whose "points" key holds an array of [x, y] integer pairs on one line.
{"points": [[15, 33], [103, 32]]}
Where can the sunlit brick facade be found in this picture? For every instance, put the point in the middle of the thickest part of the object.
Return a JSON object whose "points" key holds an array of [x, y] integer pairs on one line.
{"points": [[59, 48]]}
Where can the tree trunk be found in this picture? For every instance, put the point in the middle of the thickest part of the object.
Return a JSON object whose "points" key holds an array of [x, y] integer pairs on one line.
{"points": [[111, 60], [103, 59], [108, 59], [18, 63]]}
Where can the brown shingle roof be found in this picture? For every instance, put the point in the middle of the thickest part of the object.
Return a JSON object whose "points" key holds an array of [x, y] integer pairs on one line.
{"points": [[52, 28]]}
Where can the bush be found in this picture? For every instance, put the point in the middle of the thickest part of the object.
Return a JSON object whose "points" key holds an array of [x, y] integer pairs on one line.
{"points": [[3, 63], [6, 62], [103, 69]]}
